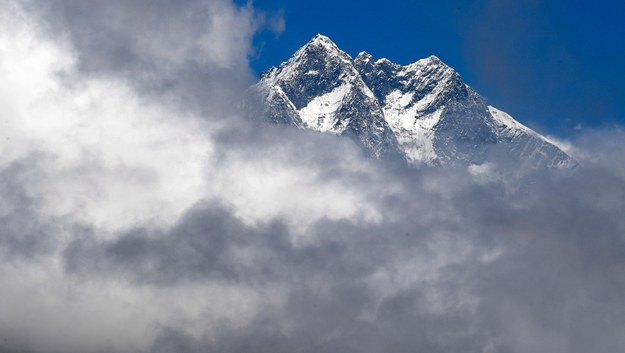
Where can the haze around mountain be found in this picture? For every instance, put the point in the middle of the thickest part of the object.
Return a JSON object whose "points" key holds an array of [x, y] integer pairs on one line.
{"points": [[141, 212]]}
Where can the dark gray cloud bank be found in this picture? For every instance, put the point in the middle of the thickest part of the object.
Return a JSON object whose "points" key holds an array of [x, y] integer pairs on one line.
{"points": [[140, 214]]}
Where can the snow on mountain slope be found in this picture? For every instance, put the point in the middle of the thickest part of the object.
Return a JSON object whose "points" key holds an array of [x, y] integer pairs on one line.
{"points": [[320, 113], [323, 91], [422, 112], [415, 136], [533, 148]]}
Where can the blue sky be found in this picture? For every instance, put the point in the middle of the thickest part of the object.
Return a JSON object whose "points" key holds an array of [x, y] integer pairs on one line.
{"points": [[554, 65]]}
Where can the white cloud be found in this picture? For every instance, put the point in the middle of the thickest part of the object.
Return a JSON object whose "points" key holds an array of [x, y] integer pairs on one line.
{"points": [[135, 218], [111, 158]]}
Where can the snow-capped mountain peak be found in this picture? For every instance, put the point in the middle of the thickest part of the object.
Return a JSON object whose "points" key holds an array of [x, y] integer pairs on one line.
{"points": [[318, 47], [322, 40], [422, 112], [364, 56]]}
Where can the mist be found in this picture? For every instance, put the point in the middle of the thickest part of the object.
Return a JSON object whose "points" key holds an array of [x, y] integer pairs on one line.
{"points": [[142, 212]]}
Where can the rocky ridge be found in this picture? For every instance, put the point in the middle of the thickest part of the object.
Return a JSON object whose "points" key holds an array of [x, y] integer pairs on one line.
{"points": [[423, 112]]}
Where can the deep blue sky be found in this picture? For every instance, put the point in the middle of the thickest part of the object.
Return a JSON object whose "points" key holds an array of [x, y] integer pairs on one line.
{"points": [[555, 65]]}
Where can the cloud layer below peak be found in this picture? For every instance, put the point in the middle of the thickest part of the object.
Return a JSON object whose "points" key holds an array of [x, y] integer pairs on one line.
{"points": [[140, 213]]}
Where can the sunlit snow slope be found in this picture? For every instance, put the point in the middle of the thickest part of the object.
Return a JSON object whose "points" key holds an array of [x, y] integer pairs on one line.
{"points": [[423, 113]]}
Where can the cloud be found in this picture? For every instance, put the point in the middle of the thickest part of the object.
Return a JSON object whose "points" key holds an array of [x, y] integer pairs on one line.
{"points": [[190, 53], [140, 213]]}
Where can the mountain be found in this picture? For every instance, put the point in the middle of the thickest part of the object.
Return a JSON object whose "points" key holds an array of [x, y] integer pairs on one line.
{"points": [[423, 113]]}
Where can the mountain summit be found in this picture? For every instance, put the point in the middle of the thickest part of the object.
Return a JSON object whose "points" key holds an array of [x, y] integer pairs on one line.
{"points": [[422, 112]]}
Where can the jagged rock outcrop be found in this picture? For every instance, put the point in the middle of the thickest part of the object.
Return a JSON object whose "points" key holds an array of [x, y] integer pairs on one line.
{"points": [[422, 112]]}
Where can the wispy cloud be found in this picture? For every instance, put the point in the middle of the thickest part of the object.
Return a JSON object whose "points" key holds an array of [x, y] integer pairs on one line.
{"points": [[140, 213]]}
